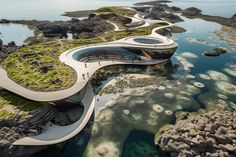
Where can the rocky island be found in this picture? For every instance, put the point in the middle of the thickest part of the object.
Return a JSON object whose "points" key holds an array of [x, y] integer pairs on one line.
{"points": [[164, 11]]}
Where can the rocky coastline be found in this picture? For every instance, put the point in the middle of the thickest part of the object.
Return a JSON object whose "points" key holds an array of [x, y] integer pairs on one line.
{"points": [[163, 11], [6, 50], [79, 14], [90, 27], [196, 13], [210, 134], [22, 126]]}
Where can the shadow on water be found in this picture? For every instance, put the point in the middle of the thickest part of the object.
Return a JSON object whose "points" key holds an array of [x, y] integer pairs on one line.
{"points": [[74, 147], [141, 144]]}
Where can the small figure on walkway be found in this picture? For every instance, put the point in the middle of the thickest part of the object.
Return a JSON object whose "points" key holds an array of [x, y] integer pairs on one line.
{"points": [[85, 64], [83, 75], [88, 74]]}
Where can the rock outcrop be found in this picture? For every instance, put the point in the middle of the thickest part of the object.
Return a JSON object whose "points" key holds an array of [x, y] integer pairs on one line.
{"points": [[192, 11], [215, 52], [1, 44], [218, 19], [197, 13], [233, 18], [92, 26], [163, 11], [211, 134], [19, 127], [24, 126], [5, 50], [156, 14]]}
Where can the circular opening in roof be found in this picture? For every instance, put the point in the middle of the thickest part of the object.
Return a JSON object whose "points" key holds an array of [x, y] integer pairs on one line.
{"points": [[147, 40]]}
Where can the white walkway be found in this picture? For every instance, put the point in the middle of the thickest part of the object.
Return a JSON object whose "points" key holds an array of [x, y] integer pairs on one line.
{"points": [[56, 134], [80, 69]]}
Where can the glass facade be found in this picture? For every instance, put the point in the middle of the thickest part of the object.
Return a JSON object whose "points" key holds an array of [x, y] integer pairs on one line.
{"points": [[107, 53], [147, 41], [120, 53]]}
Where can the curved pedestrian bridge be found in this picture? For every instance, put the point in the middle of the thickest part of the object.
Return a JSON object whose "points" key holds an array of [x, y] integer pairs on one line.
{"points": [[55, 134], [140, 50]]}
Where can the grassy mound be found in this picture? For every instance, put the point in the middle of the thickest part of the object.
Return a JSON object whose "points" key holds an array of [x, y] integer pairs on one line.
{"points": [[117, 10], [38, 67], [111, 36]]}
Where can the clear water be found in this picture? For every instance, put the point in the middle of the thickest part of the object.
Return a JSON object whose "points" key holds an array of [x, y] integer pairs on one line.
{"points": [[52, 10], [114, 126], [142, 146], [224, 8], [43, 10], [188, 87], [14, 32]]}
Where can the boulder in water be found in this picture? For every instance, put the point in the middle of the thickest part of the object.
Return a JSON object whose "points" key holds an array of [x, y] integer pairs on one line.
{"points": [[215, 52]]}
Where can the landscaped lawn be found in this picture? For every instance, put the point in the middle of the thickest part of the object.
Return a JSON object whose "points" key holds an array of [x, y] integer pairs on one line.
{"points": [[117, 10]]}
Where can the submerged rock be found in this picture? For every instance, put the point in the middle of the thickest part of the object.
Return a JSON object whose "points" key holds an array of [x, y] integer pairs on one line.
{"points": [[207, 134], [215, 52], [217, 76], [226, 87]]}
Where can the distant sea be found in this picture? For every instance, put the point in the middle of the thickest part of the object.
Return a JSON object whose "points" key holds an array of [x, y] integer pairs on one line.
{"points": [[52, 9], [225, 8]]}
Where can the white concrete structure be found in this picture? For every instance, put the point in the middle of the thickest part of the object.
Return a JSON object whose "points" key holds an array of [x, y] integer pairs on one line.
{"points": [[80, 68], [55, 134]]}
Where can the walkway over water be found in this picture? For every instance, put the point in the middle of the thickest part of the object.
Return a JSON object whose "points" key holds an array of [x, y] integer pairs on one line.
{"points": [[90, 69], [85, 66]]}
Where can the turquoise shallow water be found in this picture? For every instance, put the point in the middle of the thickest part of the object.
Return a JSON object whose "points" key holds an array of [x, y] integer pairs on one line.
{"points": [[126, 126]]}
